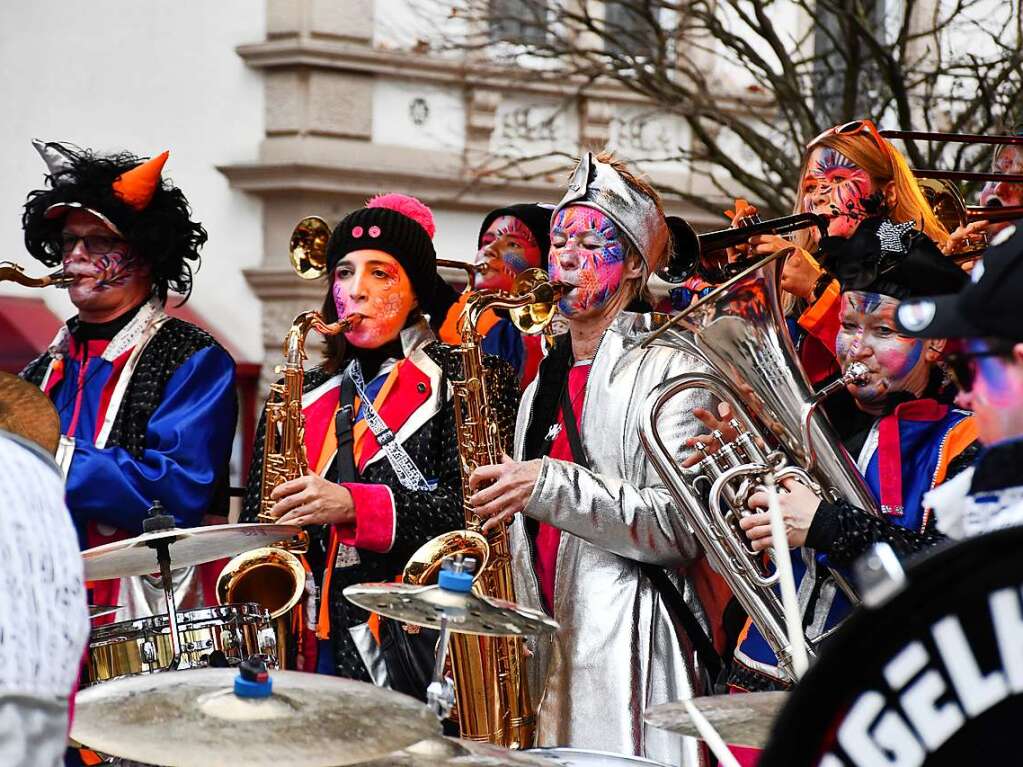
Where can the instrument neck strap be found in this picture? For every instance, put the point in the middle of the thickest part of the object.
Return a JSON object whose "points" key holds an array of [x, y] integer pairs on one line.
{"points": [[409, 475]]}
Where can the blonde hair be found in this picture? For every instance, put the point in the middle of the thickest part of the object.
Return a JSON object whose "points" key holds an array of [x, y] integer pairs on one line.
{"points": [[882, 167]]}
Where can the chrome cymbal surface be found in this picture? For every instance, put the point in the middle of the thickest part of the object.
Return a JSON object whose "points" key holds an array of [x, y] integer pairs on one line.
{"points": [[188, 546], [743, 720], [193, 719], [467, 613], [451, 752]]}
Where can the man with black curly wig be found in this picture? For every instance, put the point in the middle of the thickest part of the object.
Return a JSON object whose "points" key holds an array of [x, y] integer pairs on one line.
{"points": [[146, 402]]}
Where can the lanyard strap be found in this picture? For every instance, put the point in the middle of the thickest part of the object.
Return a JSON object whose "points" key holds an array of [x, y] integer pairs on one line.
{"points": [[409, 475]]}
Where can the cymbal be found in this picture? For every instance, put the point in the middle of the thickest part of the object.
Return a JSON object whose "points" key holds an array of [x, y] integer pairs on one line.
{"points": [[193, 719], [98, 611], [743, 720], [27, 412], [468, 613], [442, 752], [188, 546]]}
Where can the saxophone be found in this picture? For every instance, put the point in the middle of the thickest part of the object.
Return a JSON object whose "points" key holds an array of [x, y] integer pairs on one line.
{"points": [[272, 576], [492, 702]]}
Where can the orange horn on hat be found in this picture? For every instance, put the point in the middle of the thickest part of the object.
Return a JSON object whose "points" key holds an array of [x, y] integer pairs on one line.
{"points": [[137, 186]]}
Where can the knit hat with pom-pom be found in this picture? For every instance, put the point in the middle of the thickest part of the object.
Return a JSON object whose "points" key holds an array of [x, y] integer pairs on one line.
{"points": [[400, 226]]}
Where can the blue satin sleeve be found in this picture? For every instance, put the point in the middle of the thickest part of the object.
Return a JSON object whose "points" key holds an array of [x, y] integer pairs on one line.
{"points": [[187, 445], [504, 340]]}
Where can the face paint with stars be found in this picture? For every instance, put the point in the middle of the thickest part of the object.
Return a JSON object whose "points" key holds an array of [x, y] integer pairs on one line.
{"points": [[507, 248], [839, 190], [587, 251]]}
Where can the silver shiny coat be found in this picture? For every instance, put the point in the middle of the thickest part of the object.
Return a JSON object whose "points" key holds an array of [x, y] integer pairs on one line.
{"points": [[617, 652]]}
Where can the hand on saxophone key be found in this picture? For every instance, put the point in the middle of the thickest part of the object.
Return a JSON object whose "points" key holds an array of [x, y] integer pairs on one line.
{"points": [[798, 504], [312, 500], [501, 490]]}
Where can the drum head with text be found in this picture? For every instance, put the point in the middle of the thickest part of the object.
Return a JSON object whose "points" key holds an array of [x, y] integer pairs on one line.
{"points": [[932, 677]]}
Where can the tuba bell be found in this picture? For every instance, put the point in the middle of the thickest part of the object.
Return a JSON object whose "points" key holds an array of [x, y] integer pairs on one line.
{"points": [[738, 332]]}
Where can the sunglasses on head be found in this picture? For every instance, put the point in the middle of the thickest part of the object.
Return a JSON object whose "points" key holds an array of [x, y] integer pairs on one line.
{"points": [[855, 128], [962, 368]]}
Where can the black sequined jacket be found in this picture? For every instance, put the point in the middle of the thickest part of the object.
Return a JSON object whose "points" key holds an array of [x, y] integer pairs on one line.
{"points": [[419, 515], [173, 344]]}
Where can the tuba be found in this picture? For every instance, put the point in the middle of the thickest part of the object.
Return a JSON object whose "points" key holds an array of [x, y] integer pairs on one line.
{"points": [[738, 331], [492, 702], [272, 576]]}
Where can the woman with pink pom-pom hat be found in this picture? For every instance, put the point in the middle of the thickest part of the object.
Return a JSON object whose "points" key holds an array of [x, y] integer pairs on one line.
{"points": [[380, 433]]}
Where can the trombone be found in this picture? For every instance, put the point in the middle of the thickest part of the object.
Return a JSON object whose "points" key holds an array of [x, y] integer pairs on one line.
{"points": [[945, 198]]}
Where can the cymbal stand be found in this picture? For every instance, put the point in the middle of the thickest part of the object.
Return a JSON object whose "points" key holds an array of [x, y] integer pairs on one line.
{"points": [[158, 520], [455, 575]]}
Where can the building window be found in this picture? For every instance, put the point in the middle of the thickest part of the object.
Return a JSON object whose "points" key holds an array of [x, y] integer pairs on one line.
{"points": [[630, 28], [518, 21]]}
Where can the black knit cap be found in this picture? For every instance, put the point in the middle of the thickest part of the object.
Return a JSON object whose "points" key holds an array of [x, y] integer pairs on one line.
{"points": [[537, 218], [892, 259], [400, 226]]}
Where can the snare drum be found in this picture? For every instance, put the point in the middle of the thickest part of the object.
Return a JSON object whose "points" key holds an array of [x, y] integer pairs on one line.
{"points": [[143, 645]]}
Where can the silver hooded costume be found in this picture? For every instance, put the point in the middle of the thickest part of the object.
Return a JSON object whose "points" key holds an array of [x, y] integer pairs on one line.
{"points": [[617, 652]]}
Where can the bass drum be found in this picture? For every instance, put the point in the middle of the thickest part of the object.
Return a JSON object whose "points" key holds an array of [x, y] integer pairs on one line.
{"points": [[210, 636], [580, 757], [934, 676]]}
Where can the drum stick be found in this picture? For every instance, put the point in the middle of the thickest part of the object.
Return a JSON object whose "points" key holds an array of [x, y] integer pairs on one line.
{"points": [[782, 563], [710, 736]]}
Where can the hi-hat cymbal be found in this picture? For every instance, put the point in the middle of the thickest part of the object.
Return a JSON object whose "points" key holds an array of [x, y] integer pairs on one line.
{"points": [[743, 720], [98, 611], [194, 719], [27, 412], [467, 613], [188, 546]]}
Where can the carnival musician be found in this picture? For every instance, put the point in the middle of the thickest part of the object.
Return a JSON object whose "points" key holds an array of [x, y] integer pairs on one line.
{"points": [[994, 194], [379, 427], [908, 438], [147, 402], [511, 240], [588, 516], [850, 173]]}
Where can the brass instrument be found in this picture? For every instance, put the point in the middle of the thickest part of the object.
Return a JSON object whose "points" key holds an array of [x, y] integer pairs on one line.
{"points": [[739, 332], [947, 201], [695, 253], [12, 272], [491, 693], [272, 576]]}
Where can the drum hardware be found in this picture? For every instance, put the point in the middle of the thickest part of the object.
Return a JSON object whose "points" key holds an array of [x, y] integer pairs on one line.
{"points": [[98, 611], [450, 607], [743, 720], [219, 637], [215, 716], [189, 546]]}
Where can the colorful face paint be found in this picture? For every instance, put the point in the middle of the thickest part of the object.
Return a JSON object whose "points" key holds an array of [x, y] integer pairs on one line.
{"points": [[586, 251], [507, 248], [997, 395], [839, 190], [1008, 160], [105, 283], [373, 284], [868, 335]]}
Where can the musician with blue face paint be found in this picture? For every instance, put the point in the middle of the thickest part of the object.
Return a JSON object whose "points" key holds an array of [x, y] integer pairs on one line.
{"points": [[908, 437]]}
